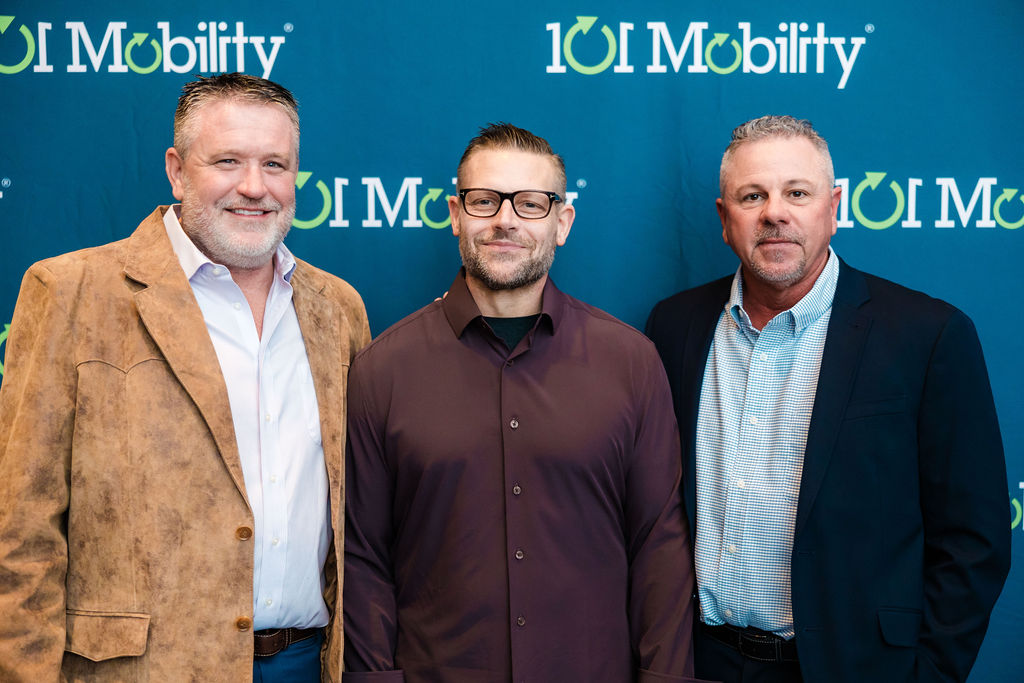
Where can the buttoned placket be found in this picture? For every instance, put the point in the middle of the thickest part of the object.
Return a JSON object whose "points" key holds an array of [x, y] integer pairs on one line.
{"points": [[515, 494], [274, 539]]}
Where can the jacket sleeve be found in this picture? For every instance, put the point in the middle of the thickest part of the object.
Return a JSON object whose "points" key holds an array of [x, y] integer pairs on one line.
{"points": [[37, 404], [661, 566], [964, 504], [369, 603]]}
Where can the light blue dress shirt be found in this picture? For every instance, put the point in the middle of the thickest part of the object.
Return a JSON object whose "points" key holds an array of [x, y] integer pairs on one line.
{"points": [[277, 428], [755, 408]]}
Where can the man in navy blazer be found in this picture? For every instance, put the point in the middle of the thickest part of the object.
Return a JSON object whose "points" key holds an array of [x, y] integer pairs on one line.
{"points": [[843, 470]]}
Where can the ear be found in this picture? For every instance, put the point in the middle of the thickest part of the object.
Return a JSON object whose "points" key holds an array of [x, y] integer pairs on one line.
{"points": [[454, 207], [837, 195], [174, 165], [566, 215], [720, 206]]}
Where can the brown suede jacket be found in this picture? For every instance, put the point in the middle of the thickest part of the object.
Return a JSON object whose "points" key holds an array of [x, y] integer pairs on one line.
{"points": [[125, 532]]}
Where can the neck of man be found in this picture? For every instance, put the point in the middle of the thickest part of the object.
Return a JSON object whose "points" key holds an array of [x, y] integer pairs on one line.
{"points": [[255, 284], [764, 300], [507, 303]]}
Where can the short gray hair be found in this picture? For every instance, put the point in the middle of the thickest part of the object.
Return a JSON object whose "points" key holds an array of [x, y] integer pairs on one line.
{"points": [[234, 86], [773, 126]]}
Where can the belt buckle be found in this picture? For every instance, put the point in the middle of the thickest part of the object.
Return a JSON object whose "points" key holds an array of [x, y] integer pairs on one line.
{"points": [[756, 647]]}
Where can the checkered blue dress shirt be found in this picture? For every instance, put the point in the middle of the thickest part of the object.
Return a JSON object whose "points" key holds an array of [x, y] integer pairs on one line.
{"points": [[755, 408]]}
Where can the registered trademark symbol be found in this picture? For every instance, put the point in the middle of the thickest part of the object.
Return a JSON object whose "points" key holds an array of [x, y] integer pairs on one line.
{"points": [[289, 27], [869, 28], [6, 182], [581, 183]]}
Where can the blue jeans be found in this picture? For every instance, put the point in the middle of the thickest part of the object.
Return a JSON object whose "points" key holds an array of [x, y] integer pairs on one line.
{"points": [[298, 663]]}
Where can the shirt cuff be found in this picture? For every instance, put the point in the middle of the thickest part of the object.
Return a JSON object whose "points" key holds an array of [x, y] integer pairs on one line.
{"points": [[397, 676], [645, 676]]}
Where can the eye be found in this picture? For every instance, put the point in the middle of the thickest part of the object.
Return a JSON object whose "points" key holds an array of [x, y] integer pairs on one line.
{"points": [[226, 162], [798, 194], [752, 197], [482, 201]]}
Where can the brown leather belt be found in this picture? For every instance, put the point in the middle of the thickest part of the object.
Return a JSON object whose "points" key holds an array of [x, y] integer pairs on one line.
{"points": [[269, 642], [753, 643]]}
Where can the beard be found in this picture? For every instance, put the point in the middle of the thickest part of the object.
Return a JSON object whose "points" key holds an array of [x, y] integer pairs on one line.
{"points": [[778, 271], [234, 246], [490, 272]]}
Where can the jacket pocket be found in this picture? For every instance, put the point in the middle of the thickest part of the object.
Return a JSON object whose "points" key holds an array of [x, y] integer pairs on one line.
{"points": [[884, 406], [99, 636], [900, 626]]}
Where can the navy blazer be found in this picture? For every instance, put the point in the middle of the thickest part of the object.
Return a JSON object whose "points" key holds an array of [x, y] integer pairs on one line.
{"points": [[901, 544]]}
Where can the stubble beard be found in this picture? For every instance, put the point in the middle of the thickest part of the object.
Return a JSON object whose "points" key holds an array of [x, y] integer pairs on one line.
{"points": [[527, 272], [762, 268], [205, 226]]}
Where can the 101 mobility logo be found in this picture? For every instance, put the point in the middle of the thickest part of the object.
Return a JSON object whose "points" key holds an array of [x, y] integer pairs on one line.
{"points": [[218, 48], [793, 51], [429, 210], [878, 202]]}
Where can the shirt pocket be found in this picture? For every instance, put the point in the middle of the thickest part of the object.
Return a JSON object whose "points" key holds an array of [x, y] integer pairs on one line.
{"points": [[99, 636]]}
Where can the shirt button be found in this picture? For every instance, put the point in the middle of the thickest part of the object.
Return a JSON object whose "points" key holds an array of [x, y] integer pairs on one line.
{"points": [[763, 356], [516, 490], [731, 548], [243, 623], [727, 612], [268, 602], [520, 554], [521, 621], [754, 421], [514, 423], [237, 306], [275, 542], [243, 533], [266, 417], [273, 478], [216, 270], [741, 484], [509, 363]]}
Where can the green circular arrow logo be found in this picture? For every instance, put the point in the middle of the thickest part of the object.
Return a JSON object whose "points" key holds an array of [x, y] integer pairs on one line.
{"points": [[1020, 513], [30, 51], [719, 39], [1007, 195], [584, 24], [872, 180], [432, 196], [3, 339], [139, 39], [300, 179]]}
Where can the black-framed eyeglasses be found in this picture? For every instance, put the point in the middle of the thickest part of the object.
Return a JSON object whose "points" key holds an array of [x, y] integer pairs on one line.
{"points": [[484, 203]]}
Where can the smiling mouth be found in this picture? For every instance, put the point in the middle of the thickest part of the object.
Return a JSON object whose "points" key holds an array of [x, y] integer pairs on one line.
{"points": [[248, 212]]}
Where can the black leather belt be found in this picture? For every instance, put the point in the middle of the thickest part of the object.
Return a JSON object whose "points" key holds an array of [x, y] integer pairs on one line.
{"points": [[269, 642], [753, 643]]}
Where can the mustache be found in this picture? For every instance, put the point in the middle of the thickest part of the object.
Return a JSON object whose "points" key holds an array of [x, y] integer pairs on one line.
{"points": [[774, 232], [249, 205], [504, 236]]}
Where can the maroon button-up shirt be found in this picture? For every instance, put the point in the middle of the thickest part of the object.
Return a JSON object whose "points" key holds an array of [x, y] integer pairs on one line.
{"points": [[514, 516]]}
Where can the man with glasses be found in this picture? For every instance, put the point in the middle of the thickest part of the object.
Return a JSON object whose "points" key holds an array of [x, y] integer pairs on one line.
{"points": [[513, 468]]}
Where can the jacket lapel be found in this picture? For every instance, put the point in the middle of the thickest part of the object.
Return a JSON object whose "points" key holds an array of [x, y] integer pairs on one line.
{"points": [[171, 316], [840, 361], [325, 336]]}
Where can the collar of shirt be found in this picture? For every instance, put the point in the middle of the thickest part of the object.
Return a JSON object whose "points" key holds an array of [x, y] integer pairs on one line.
{"points": [[460, 309], [192, 260], [812, 306]]}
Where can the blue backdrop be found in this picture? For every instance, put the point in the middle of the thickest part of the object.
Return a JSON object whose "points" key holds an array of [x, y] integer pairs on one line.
{"points": [[922, 110]]}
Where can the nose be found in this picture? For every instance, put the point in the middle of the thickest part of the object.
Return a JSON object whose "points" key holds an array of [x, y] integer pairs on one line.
{"points": [[774, 210], [251, 183], [506, 215]]}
